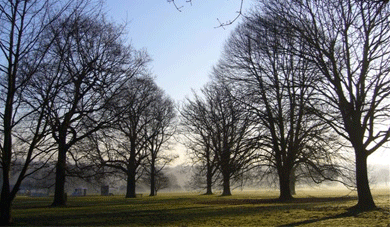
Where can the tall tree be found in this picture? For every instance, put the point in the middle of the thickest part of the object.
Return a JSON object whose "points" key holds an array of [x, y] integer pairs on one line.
{"points": [[159, 131], [279, 89], [89, 65], [125, 146], [349, 42], [197, 139], [231, 133], [22, 109]]}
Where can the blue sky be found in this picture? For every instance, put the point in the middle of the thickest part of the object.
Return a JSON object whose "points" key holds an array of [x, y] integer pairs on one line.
{"points": [[183, 45]]}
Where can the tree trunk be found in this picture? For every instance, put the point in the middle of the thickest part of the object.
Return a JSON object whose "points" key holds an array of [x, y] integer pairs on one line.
{"points": [[209, 181], [226, 185], [292, 182], [59, 191], [6, 155], [5, 204], [152, 180], [131, 171], [209, 174], [365, 200], [284, 185], [130, 190]]}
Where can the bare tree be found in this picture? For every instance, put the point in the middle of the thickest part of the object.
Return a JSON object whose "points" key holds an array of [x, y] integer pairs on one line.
{"points": [[160, 181], [197, 139], [126, 146], [349, 43], [159, 131], [231, 133], [89, 65], [22, 118], [279, 90]]}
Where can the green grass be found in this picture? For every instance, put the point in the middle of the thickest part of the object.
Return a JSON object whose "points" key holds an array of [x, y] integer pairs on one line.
{"points": [[310, 208]]}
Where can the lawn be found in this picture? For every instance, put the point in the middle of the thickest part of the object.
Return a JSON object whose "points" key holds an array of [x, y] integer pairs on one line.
{"points": [[310, 208]]}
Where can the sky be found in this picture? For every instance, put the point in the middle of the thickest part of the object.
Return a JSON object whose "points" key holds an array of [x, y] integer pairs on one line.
{"points": [[184, 46]]}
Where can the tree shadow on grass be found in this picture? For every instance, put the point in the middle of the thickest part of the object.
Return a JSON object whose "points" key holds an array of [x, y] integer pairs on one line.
{"points": [[115, 214], [277, 201], [348, 213], [149, 217]]}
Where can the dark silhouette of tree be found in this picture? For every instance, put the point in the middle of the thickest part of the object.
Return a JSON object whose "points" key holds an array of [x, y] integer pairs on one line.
{"points": [[160, 181], [23, 128], [197, 139], [231, 135], [202, 178], [159, 131], [88, 63], [126, 145], [348, 42], [279, 90]]}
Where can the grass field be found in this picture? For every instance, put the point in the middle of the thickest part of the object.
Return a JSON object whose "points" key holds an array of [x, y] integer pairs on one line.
{"points": [[310, 208]]}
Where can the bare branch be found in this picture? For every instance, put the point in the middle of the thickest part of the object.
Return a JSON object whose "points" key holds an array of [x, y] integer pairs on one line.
{"points": [[230, 22]]}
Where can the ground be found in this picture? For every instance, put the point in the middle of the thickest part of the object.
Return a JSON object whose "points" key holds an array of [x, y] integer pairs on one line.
{"points": [[254, 208]]}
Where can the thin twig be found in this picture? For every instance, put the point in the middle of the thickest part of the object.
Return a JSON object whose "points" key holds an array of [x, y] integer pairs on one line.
{"points": [[177, 7], [230, 22]]}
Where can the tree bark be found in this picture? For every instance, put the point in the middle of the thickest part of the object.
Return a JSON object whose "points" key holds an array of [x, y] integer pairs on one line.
{"points": [[5, 205], [5, 202], [131, 171], [365, 200], [130, 190], [284, 184], [226, 185], [59, 191], [209, 181], [152, 180], [292, 181]]}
